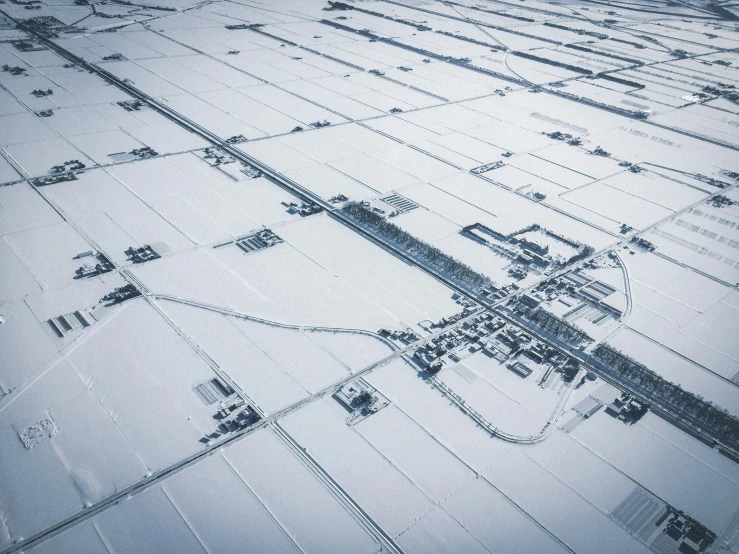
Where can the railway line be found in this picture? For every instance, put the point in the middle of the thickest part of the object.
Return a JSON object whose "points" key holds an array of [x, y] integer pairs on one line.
{"points": [[369, 524]]}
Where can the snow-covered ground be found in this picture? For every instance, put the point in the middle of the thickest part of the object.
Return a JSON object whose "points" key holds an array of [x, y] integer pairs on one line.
{"points": [[193, 402]]}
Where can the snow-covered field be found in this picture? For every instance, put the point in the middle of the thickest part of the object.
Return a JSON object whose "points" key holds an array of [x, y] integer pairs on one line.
{"points": [[199, 354]]}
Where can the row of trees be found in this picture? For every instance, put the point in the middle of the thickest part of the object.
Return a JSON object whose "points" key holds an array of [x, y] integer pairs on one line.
{"points": [[607, 54], [472, 40], [620, 81], [595, 34], [495, 12], [714, 421], [432, 257], [547, 61], [557, 327], [637, 114], [420, 51], [342, 6]]}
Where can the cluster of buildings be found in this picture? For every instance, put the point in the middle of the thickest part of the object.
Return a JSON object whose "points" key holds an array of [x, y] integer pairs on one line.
{"points": [[250, 171], [144, 152], [400, 203], [98, 265], [236, 139], [228, 409], [527, 248], [525, 355], [403, 337], [360, 399], [494, 293], [14, 70], [487, 167], [688, 535], [55, 178], [304, 209], [38, 433], [132, 105], [644, 244], [27, 45], [432, 355], [260, 240], [65, 324], [574, 296], [338, 199], [71, 165], [142, 254], [626, 409], [232, 414], [567, 137], [507, 343], [535, 195], [216, 157], [721, 201], [120, 294], [493, 336], [618, 404]]}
